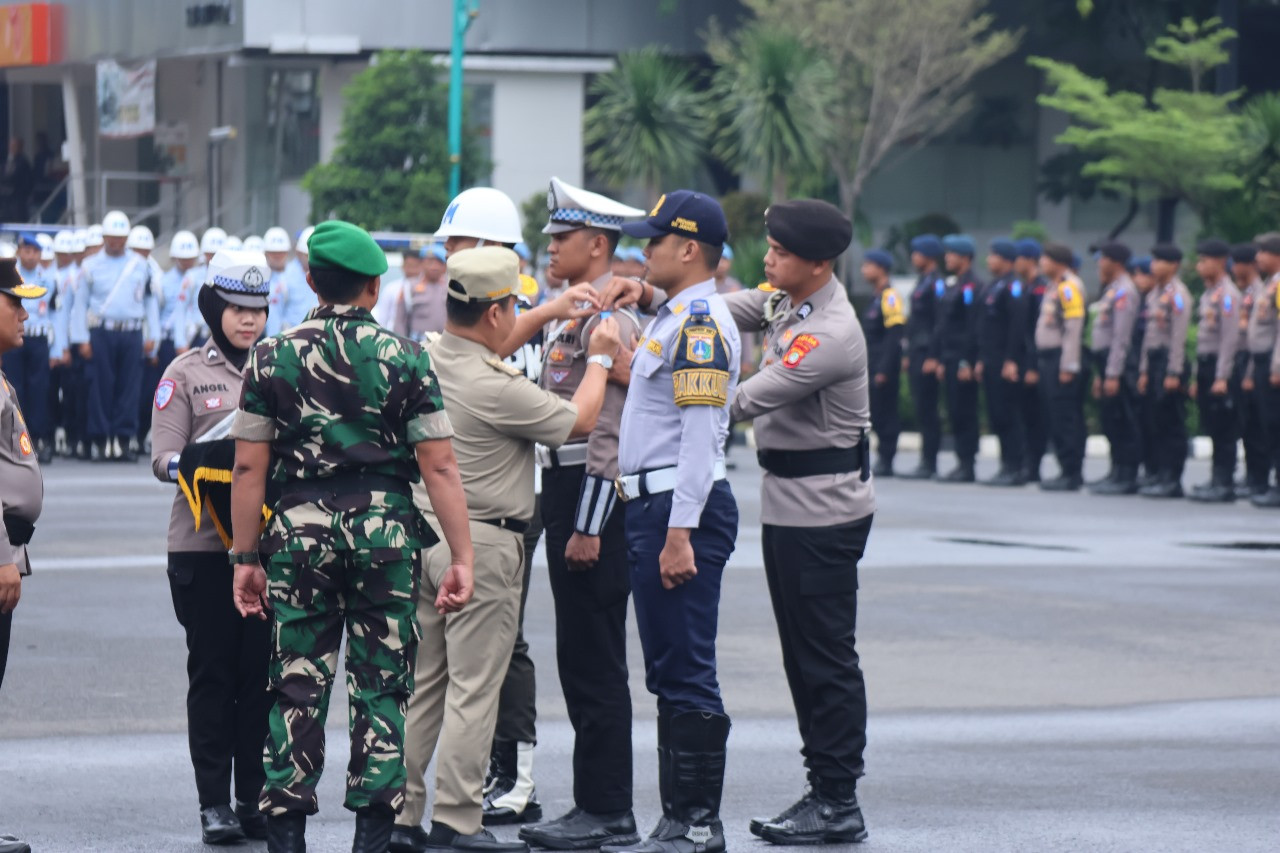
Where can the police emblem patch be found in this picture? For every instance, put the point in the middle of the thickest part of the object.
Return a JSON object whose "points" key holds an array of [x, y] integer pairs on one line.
{"points": [[700, 347], [24, 441], [803, 345], [164, 393], [253, 278], [558, 376]]}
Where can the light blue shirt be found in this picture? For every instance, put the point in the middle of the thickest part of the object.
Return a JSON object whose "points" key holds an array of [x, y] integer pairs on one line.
{"points": [[655, 432], [177, 302], [115, 289], [298, 297], [46, 317], [68, 292]]}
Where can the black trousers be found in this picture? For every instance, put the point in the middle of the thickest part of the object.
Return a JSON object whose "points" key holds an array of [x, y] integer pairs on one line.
{"points": [[517, 702], [6, 627], [1005, 414], [885, 418], [591, 647], [227, 696], [813, 583], [1065, 404], [1253, 429], [1035, 421], [1268, 399], [1218, 417], [1167, 411], [962, 414], [924, 397], [1119, 416]]}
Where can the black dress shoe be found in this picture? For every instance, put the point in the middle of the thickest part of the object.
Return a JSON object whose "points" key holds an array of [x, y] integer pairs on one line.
{"points": [[1062, 483], [1270, 499], [920, 472], [758, 823], [1219, 494], [1162, 489], [582, 830], [408, 839], [219, 825], [959, 474], [824, 819], [442, 837], [1007, 478], [1111, 476], [287, 833], [1116, 487], [252, 821], [12, 844]]}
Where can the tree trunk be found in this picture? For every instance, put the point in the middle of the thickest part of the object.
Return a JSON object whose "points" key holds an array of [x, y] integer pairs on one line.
{"points": [[1165, 210], [1128, 217], [848, 204], [778, 191]]}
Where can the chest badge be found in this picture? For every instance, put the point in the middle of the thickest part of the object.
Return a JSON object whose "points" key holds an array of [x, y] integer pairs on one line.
{"points": [[213, 403], [654, 347]]}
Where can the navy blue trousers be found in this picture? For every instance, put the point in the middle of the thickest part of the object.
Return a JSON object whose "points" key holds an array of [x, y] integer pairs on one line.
{"points": [[678, 626], [115, 383], [28, 371]]}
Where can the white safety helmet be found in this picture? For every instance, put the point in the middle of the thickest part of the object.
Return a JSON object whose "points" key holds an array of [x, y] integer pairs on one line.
{"points": [[214, 238], [46, 254], [44, 240], [275, 240], [115, 224], [184, 246], [140, 237], [65, 243], [254, 243], [304, 237], [8, 250], [233, 242], [93, 236], [484, 213]]}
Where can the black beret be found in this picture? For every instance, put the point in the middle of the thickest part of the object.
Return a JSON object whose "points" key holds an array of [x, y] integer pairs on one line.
{"points": [[1115, 251], [1244, 253], [813, 229], [1059, 253], [1213, 248], [1270, 245], [1167, 252]]}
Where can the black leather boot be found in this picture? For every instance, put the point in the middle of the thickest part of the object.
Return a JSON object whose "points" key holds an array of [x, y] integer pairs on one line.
{"points": [[252, 821], [829, 816], [690, 821], [511, 797], [758, 824], [287, 833], [373, 829]]}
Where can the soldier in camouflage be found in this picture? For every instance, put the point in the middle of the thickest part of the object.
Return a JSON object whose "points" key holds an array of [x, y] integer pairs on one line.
{"points": [[336, 409]]}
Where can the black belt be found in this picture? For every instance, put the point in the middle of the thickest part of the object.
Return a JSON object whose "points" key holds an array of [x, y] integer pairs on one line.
{"points": [[19, 529], [810, 463], [345, 483], [515, 525]]}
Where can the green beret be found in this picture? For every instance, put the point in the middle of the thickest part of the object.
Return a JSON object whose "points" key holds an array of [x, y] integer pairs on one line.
{"points": [[345, 246]]}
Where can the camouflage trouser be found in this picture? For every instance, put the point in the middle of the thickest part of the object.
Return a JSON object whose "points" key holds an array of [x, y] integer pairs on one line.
{"points": [[314, 594]]}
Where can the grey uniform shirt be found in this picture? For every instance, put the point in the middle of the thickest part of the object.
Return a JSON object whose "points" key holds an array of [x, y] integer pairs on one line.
{"points": [[420, 309], [811, 392], [200, 389], [1168, 320], [1262, 337], [1113, 327], [21, 486], [1219, 335], [1249, 297], [656, 433], [564, 363], [1061, 321]]}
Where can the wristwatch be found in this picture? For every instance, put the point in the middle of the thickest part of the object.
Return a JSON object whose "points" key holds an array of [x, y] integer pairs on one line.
{"points": [[247, 558], [605, 361]]}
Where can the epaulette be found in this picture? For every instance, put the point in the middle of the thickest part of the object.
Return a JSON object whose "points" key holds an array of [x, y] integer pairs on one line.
{"points": [[503, 367]]}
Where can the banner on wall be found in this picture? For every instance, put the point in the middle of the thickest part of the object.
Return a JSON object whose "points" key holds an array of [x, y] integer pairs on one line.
{"points": [[126, 99]]}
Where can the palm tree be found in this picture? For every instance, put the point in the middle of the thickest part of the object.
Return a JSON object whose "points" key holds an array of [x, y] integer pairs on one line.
{"points": [[647, 124], [773, 97]]}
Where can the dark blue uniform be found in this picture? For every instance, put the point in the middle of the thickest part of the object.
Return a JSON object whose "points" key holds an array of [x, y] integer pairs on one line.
{"points": [[883, 326], [955, 345], [1002, 324], [1035, 417], [924, 387]]}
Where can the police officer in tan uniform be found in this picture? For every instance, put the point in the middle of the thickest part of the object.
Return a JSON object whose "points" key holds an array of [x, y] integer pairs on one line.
{"points": [[21, 486], [1216, 343], [1117, 310], [227, 700], [497, 416], [1163, 371], [1059, 335], [586, 550], [1264, 367], [1257, 464]]}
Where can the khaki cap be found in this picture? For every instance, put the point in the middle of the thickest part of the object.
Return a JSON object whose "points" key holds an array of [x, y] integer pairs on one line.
{"points": [[484, 274]]}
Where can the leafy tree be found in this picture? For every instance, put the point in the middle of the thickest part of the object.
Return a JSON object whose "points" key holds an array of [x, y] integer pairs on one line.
{"points": [[390, 169], [533, 210], [772, 99], [1180, 145], [648, 124]]}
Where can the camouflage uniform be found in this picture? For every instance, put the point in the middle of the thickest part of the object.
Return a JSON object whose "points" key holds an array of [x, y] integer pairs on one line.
{"points": [[343, 402]]}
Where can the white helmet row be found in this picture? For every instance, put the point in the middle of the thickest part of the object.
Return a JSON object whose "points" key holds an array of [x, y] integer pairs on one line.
{"points": [[214, 239], [484, 213], [233, 242], [93, 235], [184, 246], [115, 224], [140, 237], [254, 243], [65, 243], [276, 240]]}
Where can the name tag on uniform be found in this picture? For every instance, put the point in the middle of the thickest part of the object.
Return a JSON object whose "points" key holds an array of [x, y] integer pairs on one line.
{"points": [[654, 347]]}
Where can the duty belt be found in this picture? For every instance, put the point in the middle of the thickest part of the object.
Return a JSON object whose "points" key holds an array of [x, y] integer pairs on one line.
{"points": [[515, 525], [118, 325], [41, 331], [810, 463], [565, 457], [344, 483], [654, 482]]}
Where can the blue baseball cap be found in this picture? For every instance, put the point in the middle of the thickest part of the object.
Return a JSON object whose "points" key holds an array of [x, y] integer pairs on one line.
{"points": [[26, 238], [686, 214], [522, 250], [1029, 247], [880, 257], [928, 245]]}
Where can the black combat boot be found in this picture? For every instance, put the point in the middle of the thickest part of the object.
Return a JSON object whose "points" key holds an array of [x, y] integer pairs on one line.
{"points": [[1219, 490], [373, 829], [883, 467], [1165, 487], [1062, 483], [1007, 477], [962, 473], [695, 757], [287, 833], [830, 815], [1270, 499], [252, 821], [1125, 482], [758, 824]]}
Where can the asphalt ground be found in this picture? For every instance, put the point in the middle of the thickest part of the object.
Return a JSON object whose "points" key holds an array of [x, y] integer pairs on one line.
{"points": [[1045, 672]]}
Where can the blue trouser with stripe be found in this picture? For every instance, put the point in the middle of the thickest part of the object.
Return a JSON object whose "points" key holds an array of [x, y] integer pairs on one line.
{"points": [[115, 382]]}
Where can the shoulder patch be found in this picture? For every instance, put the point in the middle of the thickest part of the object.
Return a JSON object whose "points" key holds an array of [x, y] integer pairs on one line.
{"points": [[164, 393], [700, 365], [1015, 289], [891, 309], [800, 347], [528, 286], [766, 287], [1071, 297], [939, 287], [503, 367]]}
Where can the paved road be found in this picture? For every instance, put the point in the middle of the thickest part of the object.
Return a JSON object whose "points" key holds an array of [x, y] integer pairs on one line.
{"points": [[1046, 673]]}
